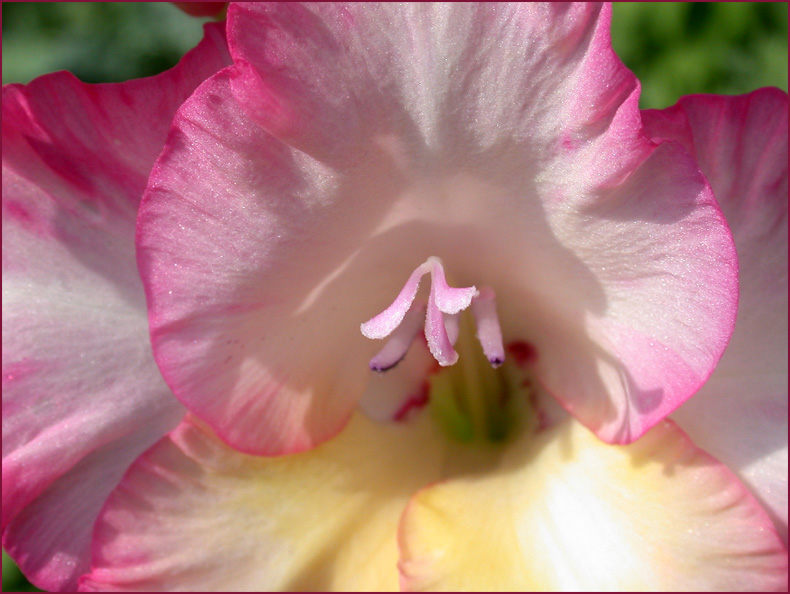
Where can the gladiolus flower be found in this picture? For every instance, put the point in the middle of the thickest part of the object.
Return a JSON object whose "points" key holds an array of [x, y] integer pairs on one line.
{"points": [[494, 154], [305, 184]]}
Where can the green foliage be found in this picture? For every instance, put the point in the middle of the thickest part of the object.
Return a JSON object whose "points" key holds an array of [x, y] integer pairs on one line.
{"points": [[97, 41], [13, 580], [682, 48]]}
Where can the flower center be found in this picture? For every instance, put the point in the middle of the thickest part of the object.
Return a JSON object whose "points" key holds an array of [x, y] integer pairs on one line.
{"points": [[480, 399], [401, 320]]}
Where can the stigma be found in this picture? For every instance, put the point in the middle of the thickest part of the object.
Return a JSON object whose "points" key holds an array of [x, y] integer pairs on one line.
{"points": [[400, 323]]}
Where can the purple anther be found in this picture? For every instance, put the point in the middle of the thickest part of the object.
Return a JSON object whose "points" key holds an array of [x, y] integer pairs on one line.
{"points": [[488, 331], [400, 340]]}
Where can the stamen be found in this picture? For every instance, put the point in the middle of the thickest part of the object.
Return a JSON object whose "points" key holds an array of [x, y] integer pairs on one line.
{"points": [[445, 303], [436, 334], [488, 331], [449, 300], [399, 342], [472, 401], [452, 325], [383, 324]]}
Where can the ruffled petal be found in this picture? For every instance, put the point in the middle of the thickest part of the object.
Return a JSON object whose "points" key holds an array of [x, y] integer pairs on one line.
{"points": [[740, 415], [568, 512], [193, 514], [82, 396], [348, 143], [50, 538], [658, 248], [252, 324]]}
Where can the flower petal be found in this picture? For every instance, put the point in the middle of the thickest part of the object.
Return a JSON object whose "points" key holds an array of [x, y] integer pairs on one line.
{"points": [[82, 396], [740, 414], [659, 250], [634, 269], [193, 514], [568, 512], [348, 143], [202, 9], [252, 325], [50, 538], [438, 77]]}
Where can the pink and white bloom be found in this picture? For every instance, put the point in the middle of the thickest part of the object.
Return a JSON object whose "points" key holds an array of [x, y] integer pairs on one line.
{"points": [[82, 396], [346, 150], [348, 144]]}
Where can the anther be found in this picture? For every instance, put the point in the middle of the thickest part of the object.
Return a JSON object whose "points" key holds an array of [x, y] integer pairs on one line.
{"points": [[488, 331], [395, 348]]}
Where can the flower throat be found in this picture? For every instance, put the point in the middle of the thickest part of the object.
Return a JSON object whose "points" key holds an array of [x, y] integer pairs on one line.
{"points": [[474, 396]]}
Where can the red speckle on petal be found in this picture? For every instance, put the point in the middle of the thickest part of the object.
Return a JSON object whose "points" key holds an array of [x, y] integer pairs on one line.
{"points": [[523, 353], [24, 216], [19, 370], [542, 417], [568, 143], [19, 212], [416, 401]]}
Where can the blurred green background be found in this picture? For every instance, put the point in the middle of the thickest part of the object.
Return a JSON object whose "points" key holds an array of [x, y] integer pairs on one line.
{"points": [[674, 48], [97, 41], [680, 48]]}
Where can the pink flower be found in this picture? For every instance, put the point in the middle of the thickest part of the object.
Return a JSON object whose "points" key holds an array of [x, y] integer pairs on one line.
{"points": [[82, 396], [298, 189], [306, 183]]}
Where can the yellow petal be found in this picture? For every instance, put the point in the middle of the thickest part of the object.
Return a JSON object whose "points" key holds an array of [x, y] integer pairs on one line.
{"points": [[193, 514], [564, 511]]}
